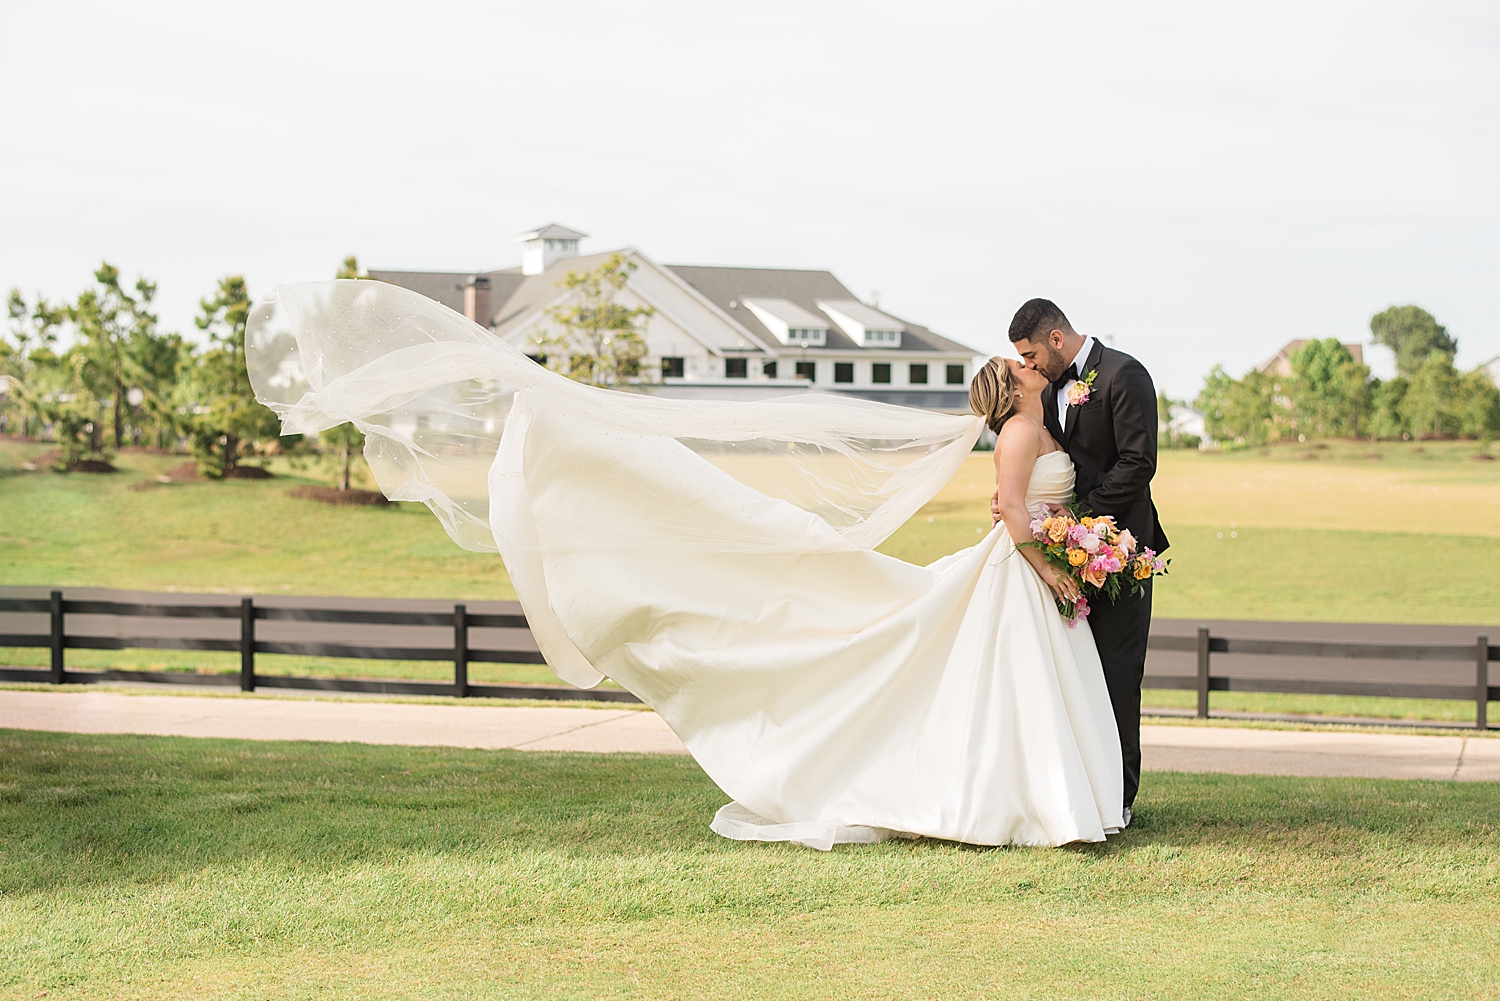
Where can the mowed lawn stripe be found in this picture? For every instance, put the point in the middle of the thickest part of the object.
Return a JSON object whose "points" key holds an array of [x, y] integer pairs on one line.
{"points": [[173, 867]]}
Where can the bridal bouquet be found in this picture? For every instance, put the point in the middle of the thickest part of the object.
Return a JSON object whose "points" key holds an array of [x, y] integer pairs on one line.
{"points": [[1097, 553]]}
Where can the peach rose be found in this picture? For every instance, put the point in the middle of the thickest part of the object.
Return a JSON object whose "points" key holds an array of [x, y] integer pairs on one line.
{"points": [[1094, 575]]}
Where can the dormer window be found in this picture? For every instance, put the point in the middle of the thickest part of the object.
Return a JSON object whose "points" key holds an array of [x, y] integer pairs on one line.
{"points": [[866, 326], [790, 323]]}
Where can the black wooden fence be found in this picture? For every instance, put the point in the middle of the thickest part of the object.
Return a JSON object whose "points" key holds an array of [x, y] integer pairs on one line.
{"points": [[58, 640], [1480, 653], [248, 613]]}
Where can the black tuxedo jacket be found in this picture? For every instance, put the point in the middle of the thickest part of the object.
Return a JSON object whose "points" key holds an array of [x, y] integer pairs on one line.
{"points": [[1112, 441]]}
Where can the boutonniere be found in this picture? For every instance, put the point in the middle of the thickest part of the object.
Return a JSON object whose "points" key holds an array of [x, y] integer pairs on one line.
{"points": [[1078, 393]]}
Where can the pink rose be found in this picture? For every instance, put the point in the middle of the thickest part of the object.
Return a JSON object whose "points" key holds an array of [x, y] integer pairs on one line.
{"points": [[1127, 541]]}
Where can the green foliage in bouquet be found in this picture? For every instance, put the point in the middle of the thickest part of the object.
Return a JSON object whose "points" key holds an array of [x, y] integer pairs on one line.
{"points": [[1100, 556]]}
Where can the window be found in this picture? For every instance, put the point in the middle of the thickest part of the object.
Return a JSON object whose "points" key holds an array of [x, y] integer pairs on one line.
{"points": [[769, 369], [918, 375], [955, 375], [671, 368], [736, 368], [880, 372], [843, 371], [807, 370]]}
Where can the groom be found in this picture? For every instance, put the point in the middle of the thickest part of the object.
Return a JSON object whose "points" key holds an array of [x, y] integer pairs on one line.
{"points": [[1109, 431]]}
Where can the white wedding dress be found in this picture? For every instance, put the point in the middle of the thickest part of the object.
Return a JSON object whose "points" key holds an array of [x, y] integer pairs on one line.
{"points": [[717, 560]]}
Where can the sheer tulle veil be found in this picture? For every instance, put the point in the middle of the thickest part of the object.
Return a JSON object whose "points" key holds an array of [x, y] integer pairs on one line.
{"points": [[450, 412]]}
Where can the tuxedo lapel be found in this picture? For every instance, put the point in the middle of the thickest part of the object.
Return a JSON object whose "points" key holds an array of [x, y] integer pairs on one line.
{"points": [[1049, 412], [1090, 364]]}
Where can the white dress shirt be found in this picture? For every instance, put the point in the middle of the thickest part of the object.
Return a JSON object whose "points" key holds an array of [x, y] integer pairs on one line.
{"points": [[1075, 369]]}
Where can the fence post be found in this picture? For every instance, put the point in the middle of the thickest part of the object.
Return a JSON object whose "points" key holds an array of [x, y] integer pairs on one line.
{"points": [[57, 638], [1203, 672], [1481, 683], [247, 644], [461, 651]]}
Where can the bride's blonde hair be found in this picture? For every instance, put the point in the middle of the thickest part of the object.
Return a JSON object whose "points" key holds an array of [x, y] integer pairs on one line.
{"points": [[992, 394]]}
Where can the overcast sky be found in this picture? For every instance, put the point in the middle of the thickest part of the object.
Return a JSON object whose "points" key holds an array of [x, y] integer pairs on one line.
{"points": [[1201, 181]]}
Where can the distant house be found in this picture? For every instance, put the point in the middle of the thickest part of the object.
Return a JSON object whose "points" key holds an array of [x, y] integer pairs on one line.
{"points": [[720, 332], [1186, 422], [1281, 363]]}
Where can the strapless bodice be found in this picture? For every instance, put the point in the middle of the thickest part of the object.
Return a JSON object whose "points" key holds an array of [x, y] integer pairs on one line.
{"points": [[1051, 480]]}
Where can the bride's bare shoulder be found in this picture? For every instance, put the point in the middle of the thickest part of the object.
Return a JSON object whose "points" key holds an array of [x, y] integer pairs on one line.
{"points": [[1021, 435], [1019, 441]]}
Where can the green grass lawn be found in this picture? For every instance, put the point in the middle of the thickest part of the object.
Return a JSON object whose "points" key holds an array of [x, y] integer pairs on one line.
{"points": [[147, 867]]}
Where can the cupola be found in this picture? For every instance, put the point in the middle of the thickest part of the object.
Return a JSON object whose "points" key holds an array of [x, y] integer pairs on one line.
{"points": [[546, 244]]}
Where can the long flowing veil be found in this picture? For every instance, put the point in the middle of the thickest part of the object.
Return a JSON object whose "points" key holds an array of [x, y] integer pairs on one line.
{"points": [[448, 410]]}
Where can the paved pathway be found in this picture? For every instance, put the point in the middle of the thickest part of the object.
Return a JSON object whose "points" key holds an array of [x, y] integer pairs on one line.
{"points": [[1180, 748]]}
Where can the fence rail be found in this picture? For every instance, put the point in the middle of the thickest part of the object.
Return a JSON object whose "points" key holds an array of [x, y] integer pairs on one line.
{"points": [[248, 613], [460, 620], [1205, 645]]}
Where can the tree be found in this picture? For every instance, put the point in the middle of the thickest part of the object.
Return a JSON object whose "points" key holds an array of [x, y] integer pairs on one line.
{"points": [[1430, 398], [223, 416], [23, 367], [345, 439], [1412, 334], [1478, 405], [1386, 417], [1329, 390], [104, 317], [599, 341], [1243, 411]]}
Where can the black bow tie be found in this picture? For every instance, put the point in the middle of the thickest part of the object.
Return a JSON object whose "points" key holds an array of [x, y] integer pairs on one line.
{"points": [[1061, 382]]}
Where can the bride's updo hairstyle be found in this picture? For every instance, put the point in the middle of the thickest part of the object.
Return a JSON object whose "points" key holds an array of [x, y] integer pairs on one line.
{"points": [[992, 394]]}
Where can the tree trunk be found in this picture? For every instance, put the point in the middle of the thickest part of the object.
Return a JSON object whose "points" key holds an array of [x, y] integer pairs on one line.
{"points": [[344, 455], [119, 408]]}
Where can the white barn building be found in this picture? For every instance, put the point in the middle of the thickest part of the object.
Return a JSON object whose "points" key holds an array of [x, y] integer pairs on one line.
{"points": [[725, 333]]}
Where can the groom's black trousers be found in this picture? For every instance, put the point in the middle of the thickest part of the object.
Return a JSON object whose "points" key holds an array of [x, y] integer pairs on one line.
{"points": [[1120, 631]]}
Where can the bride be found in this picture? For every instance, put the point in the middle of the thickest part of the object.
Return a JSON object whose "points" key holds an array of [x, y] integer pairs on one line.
{"points": [[718, 560]]}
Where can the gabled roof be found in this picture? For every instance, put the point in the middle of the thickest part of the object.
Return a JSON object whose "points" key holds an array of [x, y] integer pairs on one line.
{"points": [[536, 292], [1281, 362], [551, 231], [447, 287], [725, 287]]}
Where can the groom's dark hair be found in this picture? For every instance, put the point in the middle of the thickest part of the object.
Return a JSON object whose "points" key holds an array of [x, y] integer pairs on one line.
{"points": [[1036, 318]]}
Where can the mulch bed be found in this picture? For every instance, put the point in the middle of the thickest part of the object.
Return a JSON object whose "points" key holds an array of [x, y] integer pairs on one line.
{"points": [[90, 466], [328, 495], [248, 473]]}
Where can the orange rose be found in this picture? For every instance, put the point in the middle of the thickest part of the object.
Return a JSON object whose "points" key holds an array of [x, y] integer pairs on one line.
{"points": [[1094, 576], [1077, 557], [1142, 569]]}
